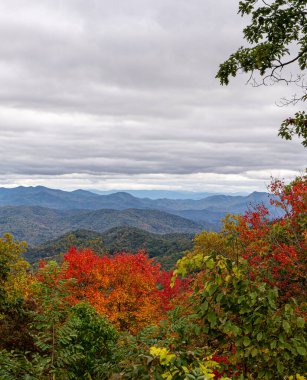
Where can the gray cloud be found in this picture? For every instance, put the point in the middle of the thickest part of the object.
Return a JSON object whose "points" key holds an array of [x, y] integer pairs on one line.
{"points": [[125, 89]]}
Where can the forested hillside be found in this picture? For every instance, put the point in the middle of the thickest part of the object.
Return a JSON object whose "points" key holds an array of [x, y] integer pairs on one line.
{"points": [[166, 249], [37, 224]]}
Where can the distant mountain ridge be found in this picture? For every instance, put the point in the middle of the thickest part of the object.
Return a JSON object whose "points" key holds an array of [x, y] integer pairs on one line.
{"points": [[60, 199], [82, 199], [159, 194], [37, 214]]}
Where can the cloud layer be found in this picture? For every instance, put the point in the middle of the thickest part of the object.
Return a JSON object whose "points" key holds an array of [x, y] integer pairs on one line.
{"points": [[122, 94]]}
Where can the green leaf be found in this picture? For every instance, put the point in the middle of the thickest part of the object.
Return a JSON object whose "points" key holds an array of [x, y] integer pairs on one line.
{"points": [[271, 299], [232, 328], [212, 318], [300, 322], [210, 264], [212, 289], [236, 330], [246, 341], [259, 336], [219, 297], [286, 326], [280, 367], [288, 308], [254, 352], [301, 350], [204, 306]]}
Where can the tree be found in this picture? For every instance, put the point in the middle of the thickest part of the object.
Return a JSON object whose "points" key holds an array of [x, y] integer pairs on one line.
{"points": [[248, 288], [241, 322], [171, 291], [123, 287], [12, 269], [277, 37], [15, 285], [68, 342], [98, 339], [277, 247]]}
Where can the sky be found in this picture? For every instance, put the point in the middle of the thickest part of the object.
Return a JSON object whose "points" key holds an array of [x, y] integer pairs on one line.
{"points": [[122, 94]]}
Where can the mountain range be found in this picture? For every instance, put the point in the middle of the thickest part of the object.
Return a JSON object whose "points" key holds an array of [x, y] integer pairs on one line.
{"points": [[82, 199], [38, 214], [169, 194]]}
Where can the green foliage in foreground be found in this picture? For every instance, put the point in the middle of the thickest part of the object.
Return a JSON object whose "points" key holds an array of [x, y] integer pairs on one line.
{"points": [[234, 326], [245, 322], [83, 346]]}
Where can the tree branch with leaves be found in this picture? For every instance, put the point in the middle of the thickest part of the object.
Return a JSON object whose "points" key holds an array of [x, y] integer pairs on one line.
{"points": [[277, 38]]}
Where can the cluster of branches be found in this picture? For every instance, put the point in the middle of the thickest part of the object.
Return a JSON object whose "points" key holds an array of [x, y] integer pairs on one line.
{"points": [[277, 38]]}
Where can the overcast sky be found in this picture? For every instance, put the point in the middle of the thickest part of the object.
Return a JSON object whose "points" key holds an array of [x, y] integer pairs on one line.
{"points": [[121, 94]]}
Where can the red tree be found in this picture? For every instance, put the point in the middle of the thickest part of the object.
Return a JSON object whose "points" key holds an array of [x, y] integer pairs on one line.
{"points": [[276, 248], [123, 287]]}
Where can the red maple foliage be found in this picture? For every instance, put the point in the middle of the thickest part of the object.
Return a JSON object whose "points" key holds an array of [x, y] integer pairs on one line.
{"points": [[170, 294], [129, 289], [276, 247], [122, 287]]}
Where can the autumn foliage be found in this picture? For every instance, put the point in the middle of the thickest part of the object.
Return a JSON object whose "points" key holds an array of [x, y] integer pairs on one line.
{"points": [[129, 289], [234, 307], [249, 288], [122, 287], [276, 246]]}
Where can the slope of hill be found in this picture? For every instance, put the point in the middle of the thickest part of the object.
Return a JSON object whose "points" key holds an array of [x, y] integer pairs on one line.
{"points": [[149, 220], [32, 223], [132, 239], [215, 203], [235, 204], [55, 247], [211, 217], [37, 224], [166, 248]]}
